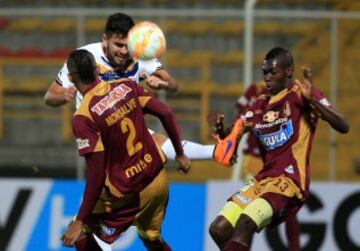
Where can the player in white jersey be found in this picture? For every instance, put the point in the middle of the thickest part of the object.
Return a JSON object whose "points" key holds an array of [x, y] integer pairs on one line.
{"points": [[114, 62]]}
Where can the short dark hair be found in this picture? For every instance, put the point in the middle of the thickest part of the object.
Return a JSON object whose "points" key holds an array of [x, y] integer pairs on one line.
{"points": [[278, 52], [119, 24], [82, 63]]}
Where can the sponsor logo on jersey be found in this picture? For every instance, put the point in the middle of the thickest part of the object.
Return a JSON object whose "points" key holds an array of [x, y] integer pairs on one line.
{"points": [[117, 94], [278, 138], [82, 143], [289, 169], [270, 116], [276, 122]]}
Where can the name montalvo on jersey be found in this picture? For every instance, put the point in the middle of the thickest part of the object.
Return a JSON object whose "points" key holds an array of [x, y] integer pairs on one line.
{"points": [[82, 143], [276, 122], [111, 99], [276, 139]]}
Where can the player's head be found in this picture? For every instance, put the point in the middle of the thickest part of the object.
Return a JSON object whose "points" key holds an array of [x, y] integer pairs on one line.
{"points": [[114, 39], [82, 67], [277, 69]]}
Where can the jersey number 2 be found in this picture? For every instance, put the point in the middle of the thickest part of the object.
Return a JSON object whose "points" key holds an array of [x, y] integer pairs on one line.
{"points": [[128, 125]]}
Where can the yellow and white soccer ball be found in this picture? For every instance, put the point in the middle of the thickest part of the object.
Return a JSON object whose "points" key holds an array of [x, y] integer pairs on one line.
{"points": [[146, 41]]}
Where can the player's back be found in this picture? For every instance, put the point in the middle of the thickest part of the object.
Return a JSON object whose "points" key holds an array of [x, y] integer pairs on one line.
{"points": [[132, 157]]}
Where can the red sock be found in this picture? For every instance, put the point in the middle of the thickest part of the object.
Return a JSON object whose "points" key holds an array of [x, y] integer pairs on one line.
{"points": [[235, 246], [292, 229]]}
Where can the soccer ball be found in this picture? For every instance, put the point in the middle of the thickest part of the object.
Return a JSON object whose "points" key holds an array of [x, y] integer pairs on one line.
{"points": [[146, 41]]}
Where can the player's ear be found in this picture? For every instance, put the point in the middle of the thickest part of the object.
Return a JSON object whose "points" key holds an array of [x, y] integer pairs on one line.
{"points": [[97, 70], [290, 71], [104, 37], [70, 78]]}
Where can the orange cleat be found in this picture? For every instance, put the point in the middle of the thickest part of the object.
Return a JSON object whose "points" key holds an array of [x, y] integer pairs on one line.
{"points": [[225, 149]]}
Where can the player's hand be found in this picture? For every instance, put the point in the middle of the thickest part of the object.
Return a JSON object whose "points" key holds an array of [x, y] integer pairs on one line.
{"points": [[307, 84], [216, 123], [155, 82], [69, 93], [184, 163], [72, 233]]}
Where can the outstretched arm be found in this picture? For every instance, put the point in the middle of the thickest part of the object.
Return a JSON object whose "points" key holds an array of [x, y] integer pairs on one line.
{"points": [[335, 119], [167, 118], [95, 180], [161, 79]]}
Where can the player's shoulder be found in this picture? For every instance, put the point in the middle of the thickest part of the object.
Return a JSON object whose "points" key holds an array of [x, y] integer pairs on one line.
{"points": [[295, 89], [101, 89], [93, 47]]}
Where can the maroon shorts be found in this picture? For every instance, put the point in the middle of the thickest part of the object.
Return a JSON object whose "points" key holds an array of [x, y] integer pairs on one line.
{"points": [[112, 215]]}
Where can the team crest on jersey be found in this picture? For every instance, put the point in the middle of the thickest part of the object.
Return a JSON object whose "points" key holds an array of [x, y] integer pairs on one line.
{"points": [[117, 94], [278, 138], [270, 116], [287, 110], [107, 230]]}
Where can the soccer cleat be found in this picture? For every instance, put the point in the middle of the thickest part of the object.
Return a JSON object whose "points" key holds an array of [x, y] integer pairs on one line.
{"points": [[225, 149]]}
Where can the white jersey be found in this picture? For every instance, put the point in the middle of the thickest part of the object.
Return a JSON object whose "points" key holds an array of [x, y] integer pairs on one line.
{"points": [[134, 71]]}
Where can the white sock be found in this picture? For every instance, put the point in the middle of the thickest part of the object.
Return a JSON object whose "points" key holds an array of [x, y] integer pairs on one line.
{"points": [[193, 151], [104, 246]]}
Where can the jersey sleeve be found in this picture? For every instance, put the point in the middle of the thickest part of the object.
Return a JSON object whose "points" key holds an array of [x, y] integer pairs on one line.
{"points": [[143, 95], [319, 96], [87, 135], [62, 77], [148, 67]]}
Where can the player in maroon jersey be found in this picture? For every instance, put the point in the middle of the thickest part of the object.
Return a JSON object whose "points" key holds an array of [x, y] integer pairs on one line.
{"points": [[252, 162], [284, 123], [126, 182]]}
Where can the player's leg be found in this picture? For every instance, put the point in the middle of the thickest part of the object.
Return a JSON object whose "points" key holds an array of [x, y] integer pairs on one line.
{"points": [[222, 228], [87, 242], [292, 230], [153, 203], [193, 150]]}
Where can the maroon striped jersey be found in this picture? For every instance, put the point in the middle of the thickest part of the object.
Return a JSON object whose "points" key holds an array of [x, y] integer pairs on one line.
{"points": [[110, 119], [284, 125]]}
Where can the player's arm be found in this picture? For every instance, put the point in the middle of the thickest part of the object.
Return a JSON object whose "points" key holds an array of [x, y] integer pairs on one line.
{"points": [[56, 95], [335, 119], [153, 106], [90, 146], [95, 180], [156, 77]]}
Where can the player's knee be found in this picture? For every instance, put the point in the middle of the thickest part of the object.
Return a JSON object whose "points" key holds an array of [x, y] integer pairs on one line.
{"points": [[221, 230], [245, 229]]}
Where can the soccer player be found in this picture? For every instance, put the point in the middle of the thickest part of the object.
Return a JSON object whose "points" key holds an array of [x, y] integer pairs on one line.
{"points": [[126, 182], [114, 62], [252, 162], [284, 123]]}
